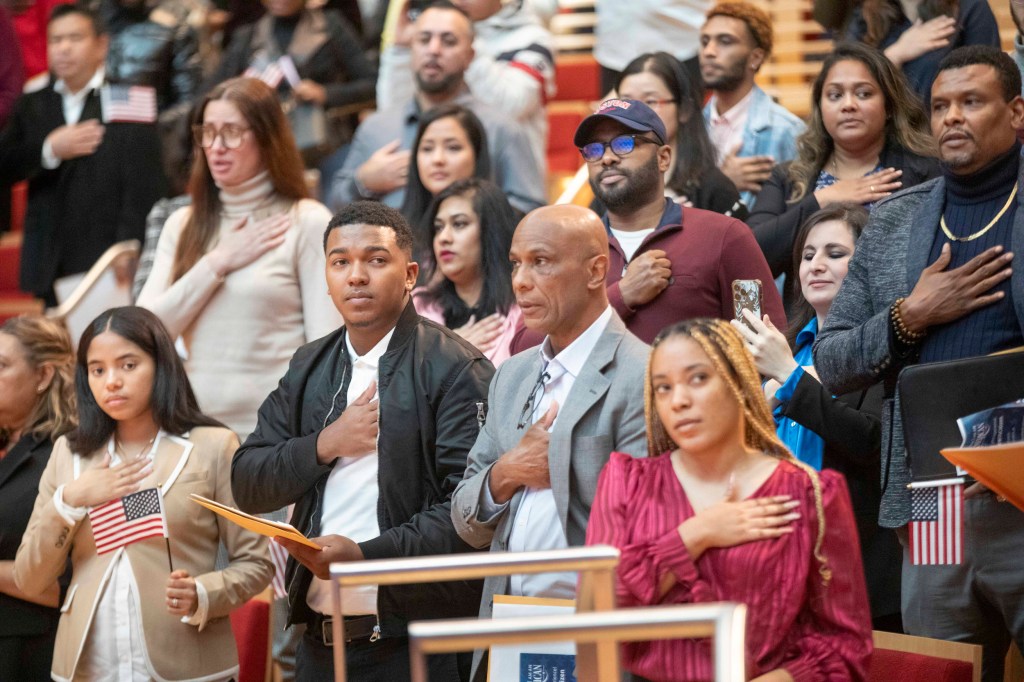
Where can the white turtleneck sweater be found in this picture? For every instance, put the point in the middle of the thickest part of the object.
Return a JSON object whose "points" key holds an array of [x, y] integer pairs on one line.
{"points": [[240, 333]]}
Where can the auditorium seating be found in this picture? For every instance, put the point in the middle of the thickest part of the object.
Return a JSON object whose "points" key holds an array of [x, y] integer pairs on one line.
{"points": [[13, 301], [251, 625], [920, 659]]}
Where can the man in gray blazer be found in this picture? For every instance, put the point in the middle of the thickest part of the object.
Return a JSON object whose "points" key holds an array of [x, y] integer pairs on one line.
{"points": [[930, 281], [557, 412]]}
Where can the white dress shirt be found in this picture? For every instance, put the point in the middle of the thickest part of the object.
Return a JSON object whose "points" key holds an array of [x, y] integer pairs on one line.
{"points": [[351, 495], [115, 648], [726, 128], [73, 104], [536, 525]]}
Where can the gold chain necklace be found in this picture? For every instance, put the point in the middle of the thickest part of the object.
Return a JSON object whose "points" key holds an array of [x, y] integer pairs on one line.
{"points": [[972, 237], [124, 455]]}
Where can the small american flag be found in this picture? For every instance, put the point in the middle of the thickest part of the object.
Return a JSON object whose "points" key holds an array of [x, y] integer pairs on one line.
{"points": [[279, 557], [936, 525], [267, 71], [128, 519], [128, 104]]}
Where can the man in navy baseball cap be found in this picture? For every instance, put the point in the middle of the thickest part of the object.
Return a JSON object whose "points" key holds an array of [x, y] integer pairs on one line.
{"points": [[631, 113], [660, 271]]}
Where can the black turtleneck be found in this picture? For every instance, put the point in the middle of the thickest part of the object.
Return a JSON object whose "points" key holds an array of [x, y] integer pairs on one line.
{"points": [[284, 29], [972, 201]]}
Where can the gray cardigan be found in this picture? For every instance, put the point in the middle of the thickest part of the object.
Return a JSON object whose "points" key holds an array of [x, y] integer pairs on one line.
{"points": [[854, 351]]}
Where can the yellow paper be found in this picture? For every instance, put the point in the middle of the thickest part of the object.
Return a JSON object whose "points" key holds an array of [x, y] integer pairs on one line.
{"points": [[998, 467], [272, 529]]}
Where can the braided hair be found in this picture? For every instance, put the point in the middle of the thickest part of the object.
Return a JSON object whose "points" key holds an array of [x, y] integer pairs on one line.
{"points": [[724, 346]]}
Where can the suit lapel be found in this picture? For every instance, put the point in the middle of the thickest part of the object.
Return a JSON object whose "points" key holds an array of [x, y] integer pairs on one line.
{"points": [[588, 388], [171, 455], [922, 232], [310, 35], [16, 458]]}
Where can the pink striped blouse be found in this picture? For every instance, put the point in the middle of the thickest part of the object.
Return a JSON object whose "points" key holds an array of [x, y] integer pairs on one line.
{"points": [[793, 622]]}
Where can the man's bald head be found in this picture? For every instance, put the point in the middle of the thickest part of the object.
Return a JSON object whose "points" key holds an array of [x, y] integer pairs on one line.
{"points": [[559, 263]]}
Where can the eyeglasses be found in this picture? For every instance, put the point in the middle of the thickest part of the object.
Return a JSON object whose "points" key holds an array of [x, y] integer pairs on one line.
{"points": [[230, 134], [620, 146], [531, 402]]}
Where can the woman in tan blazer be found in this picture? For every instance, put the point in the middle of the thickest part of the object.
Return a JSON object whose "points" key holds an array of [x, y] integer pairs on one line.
{"points": [[127, 615]]}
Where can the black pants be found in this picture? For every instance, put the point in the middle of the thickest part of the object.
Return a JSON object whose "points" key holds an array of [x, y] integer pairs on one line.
{"points": [[26, 658], [386, 660]]}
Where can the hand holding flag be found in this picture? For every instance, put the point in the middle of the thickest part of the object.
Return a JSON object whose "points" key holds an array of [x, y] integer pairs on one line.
{"points": [[129, 519]]}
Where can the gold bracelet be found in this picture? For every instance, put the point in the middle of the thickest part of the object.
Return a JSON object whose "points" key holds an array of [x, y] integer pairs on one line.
{"points": [[903, 333]]}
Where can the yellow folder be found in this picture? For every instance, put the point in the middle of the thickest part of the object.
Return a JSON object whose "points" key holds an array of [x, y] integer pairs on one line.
{"points": [[272, 529]]}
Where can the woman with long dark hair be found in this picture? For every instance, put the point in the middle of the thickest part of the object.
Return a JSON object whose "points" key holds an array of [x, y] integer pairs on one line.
{"points": [[916, 34], [720, 510], [245, 261], [450, 145], [37, 406], [842, 433], [473, 225], [866, 138], [154, 607], [658, 80]]}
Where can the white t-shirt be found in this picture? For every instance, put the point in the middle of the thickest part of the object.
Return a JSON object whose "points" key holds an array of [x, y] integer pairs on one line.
{"points": [[350, 498], [631, 241]]}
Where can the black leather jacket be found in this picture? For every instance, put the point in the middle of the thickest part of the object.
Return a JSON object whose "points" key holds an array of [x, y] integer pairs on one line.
{"points": [[431, 385], [154, 47]]}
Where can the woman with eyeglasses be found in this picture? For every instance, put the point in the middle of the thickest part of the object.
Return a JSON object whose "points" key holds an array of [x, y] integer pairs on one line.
{"points": [[867, 137], [239, 274], [658, 80]]}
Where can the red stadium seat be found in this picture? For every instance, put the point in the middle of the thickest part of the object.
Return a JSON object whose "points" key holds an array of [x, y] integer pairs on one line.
{"points": [[919, 659], [251, 625]]}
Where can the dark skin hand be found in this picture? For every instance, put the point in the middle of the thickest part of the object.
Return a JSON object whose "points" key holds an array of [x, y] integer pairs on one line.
{"points": [[354, 433], [942, 295], [318, 561], [647, 275], [527, 463]]}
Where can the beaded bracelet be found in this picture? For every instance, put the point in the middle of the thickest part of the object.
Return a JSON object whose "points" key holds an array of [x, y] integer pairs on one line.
{"points": [[902, 333]]}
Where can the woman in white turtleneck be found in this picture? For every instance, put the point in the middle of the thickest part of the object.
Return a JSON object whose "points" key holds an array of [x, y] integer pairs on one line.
{"points": [[239, 274]]}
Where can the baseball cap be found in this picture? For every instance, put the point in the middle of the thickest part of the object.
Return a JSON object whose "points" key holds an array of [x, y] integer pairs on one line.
{"points": [[631, 113]]}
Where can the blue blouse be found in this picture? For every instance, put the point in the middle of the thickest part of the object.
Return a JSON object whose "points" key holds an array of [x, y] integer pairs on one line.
{"points": [[805, 444]]}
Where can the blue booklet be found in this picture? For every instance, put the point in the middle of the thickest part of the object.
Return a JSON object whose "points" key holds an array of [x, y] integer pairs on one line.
{"points": [[1003, 424], [547, 668]]}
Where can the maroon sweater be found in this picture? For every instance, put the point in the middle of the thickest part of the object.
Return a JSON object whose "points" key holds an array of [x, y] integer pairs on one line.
{"points": [[707, 251]]}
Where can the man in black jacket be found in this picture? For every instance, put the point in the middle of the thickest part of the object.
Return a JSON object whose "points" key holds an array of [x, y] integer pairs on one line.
{"points": [[91, 184], [368, 434]]}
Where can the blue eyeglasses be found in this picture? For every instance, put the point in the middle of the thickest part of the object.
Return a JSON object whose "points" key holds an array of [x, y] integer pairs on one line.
{"points": [[620, 146]]}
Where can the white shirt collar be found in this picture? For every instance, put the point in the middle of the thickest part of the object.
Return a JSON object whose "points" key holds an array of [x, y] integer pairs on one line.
{"points": [[574, 356], [736, 113], [372, 357], [61, 88]]}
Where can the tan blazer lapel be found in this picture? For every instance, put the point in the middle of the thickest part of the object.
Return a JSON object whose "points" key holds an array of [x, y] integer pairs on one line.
{"points": [[171, 456]]}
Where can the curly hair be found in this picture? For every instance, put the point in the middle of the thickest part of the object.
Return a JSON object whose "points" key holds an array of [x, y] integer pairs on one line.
{"points": [[906, 124], [757, 20], [46, 342], [727, 352]]}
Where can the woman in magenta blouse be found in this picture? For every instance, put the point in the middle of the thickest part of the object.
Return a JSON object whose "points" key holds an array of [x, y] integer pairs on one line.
{"points": [[721, 511]]}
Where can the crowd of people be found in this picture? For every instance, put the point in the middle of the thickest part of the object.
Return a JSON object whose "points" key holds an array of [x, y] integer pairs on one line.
{"points": [[375, 327]]}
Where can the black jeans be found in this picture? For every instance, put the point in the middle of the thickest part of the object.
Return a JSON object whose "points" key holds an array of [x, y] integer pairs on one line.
{"points": [[386, 660]]}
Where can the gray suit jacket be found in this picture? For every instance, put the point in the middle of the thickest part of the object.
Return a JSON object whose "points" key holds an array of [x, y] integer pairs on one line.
{"points": [[604, 412], [854, 349]]}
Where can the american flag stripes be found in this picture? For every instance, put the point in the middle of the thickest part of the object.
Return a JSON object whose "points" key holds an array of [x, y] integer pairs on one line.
{"points": [[128, 104], [128, 519], [279, 557], [268, 72], [936, 525]]}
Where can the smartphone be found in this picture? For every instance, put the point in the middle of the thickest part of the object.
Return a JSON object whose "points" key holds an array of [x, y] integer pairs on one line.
{"points": [[746, 294]]}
